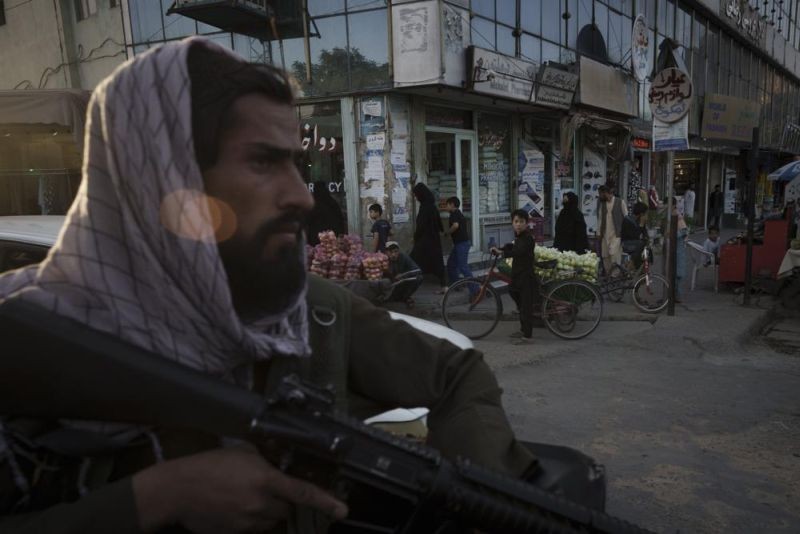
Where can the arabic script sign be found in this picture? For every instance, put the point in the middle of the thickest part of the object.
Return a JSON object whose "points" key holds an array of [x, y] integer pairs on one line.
{"points": [[640, 50], [745, 18], [495, 74], [670, 95]]}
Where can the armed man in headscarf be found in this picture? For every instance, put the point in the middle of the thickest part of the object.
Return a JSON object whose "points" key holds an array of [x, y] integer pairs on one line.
{"points": [[185, 239]]}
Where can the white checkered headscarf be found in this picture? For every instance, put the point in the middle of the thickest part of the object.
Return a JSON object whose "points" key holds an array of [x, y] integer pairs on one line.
{"points": [[137, 256]]}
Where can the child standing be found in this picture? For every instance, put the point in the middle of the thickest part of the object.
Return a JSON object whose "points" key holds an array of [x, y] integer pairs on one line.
{"points": [[381, 229], [524, 285], [457, 262]]}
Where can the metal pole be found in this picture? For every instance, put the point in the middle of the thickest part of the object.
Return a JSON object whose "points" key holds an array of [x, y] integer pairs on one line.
{"points": [[750, 210], [672, 233]]}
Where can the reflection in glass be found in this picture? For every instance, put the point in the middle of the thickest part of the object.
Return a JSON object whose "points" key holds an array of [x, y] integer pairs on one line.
{"points": [[364, 4], [483, 33], [530, 16], [531, 48], [369, 49], [146, 24], [507, 12], [551, 16], [483, 7], [177, 26], [290, 55], [550, 51], [506, 42], [329, 69], [325, 7]]}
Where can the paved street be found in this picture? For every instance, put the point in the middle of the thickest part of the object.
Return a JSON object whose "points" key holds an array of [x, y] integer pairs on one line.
{"points": [[696, 417]]}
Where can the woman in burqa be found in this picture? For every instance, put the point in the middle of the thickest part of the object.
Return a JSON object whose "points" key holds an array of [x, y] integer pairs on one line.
{"points": [[427, 250], [571, 227], [326, 215]]}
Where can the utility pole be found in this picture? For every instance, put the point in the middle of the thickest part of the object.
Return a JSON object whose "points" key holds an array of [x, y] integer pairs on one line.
{"points": [[672, 234], [670, 98], [750, 211]]}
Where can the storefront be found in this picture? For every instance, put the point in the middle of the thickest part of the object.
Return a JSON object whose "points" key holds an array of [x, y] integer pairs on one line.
{"points": [[41, 139]]}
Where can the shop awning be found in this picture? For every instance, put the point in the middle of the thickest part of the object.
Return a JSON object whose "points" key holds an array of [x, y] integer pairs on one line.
{"points": [[63, 107], [787, 173]]}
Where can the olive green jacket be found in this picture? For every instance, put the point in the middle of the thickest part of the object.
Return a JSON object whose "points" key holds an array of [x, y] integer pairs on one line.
{"points": [[381, 364]]}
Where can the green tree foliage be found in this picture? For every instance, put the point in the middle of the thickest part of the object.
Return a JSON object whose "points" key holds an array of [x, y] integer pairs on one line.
{"points": [[330, 74]]}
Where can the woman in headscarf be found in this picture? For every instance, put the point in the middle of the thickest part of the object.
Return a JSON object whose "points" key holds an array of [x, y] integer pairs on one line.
{"points": [[427, 250], [326, 215], [571, 227]]}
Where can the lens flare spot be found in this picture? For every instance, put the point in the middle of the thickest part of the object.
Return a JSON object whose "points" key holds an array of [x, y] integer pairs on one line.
{"points": [[194, 215]]}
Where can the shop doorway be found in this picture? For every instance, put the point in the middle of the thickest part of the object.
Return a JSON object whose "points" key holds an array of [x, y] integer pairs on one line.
{"points": [[452, 172]]}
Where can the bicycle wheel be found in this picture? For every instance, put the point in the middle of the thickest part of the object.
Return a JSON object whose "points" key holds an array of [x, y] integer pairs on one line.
{"points": [[572, 309], [616, 283], [470, 309], [651, 293]]}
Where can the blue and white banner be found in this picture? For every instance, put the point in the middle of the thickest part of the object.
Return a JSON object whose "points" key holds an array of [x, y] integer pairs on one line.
{"points": [[671, 136]]}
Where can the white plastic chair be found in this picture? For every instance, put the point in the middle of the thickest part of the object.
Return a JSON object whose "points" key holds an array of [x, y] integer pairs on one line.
{"points": [[702, 259]]}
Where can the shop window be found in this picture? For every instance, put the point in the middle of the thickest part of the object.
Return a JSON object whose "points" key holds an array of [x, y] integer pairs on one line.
{"points": [[483, 7], [322, 160], [494, 164]]}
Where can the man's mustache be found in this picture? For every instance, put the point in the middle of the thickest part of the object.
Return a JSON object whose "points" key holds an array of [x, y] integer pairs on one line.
{"points": [[292, 222]]}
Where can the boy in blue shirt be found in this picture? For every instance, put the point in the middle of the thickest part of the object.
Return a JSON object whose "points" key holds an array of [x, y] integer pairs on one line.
{"points": [[381, 229]]}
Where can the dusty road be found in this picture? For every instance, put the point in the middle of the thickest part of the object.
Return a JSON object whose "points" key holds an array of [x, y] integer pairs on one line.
{"points": [[696, 418]]}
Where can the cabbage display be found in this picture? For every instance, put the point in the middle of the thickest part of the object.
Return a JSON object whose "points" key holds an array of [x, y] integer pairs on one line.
{"points": [[569, 265]]}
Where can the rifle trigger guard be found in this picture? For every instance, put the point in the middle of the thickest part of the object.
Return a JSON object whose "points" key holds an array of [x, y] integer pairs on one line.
{"points": [[323, 316]]}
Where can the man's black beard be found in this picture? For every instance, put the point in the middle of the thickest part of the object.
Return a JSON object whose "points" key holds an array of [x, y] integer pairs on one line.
{"points": [[258, 286]]}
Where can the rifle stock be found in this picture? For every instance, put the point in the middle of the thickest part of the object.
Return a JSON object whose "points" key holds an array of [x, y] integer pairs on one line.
{"points": [[58, 368]]}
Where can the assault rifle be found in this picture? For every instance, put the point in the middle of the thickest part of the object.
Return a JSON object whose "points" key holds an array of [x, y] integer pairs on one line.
{"points": [[51, 367]]}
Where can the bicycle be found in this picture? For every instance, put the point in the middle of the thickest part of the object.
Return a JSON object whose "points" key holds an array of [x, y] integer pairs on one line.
{"points": [[571, 309], [649, 291]]}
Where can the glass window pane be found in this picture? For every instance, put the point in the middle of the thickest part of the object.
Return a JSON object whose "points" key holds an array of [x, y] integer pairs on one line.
{"points": [[329, 56], [146, 23], [507, 12], [506, 42], [550, 51], [325, 7], [552, 22], [572, 33], [530, 15], [483, 33], [670, 16], [289, 54], [651, 13], [601, 20], [627, 28], [204, 29], [356, 5], [369, 49], [615, 31], [584, 13], [251, 49], [484, 7], [177, 26], [531, 48]]}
